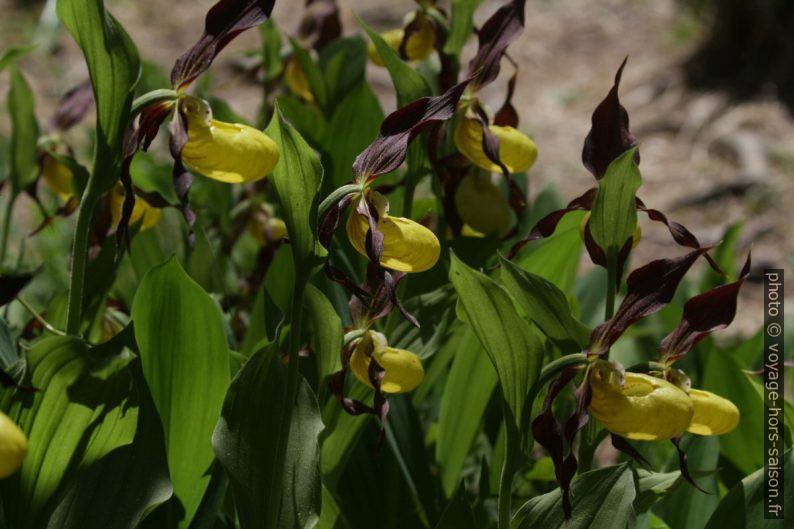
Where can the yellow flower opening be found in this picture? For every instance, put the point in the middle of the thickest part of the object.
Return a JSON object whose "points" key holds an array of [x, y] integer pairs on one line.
{"points": [[267, 231], [516, 151], [713, 415], [636, 405], [403, 370], [229, 152], [13, 446], [419, 46], [407, 245], [481, 205], [144, 212], [297, 81]]}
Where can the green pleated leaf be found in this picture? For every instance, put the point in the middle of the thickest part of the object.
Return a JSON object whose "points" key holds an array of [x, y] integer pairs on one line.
{"points": [[408, 83], [312, 72], [331, 516], [602, 499], [651, 486], [118, 490], [513, 347], [185, 357], [468, 389], [341, 434], [556, 258], [323, 331], [87, 412], [24, 133], [746, 503], [614, 214], [114, 69], [547, 306], [297, 179], [246, 440]]}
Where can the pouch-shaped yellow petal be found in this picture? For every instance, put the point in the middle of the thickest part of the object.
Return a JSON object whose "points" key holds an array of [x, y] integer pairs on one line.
{"points": [[713, 415], [297, 81], [481, 205], [419, 46], [13, 446], [645, 408], [516, 151], [403, 370], [229, 152], [57, 176], [271, 230], [142, 211], [407, 245]]}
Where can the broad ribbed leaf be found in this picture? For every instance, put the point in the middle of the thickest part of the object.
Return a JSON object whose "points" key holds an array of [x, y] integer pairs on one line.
{"points": [[513, 347], [322, 331], [246, 440], [297, 179], [461, 26], [457, 514], [602, 499], [341, 433], [466, 393], [614, 214], [545, 305], [185, 358], [87, 411], [114, 69], [746, 503], [24, 133]]}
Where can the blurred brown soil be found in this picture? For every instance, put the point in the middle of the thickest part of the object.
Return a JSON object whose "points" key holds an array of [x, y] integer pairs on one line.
{"points": [[707, 161]]}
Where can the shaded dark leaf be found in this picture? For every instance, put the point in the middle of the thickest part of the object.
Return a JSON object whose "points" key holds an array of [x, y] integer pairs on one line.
{"points": [[389, 149], [650, 288], [72, 107], [609, 136], [704, 314], [494, 37], [225, 20], [11, 285]]}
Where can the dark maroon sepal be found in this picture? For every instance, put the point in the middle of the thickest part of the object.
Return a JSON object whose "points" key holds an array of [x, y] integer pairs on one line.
{"points": [[609, 136], [650, 288], [72, 107], [622, 444], [224, 21], [387, 152], [494, 37], [683, 466], [704, 314]]}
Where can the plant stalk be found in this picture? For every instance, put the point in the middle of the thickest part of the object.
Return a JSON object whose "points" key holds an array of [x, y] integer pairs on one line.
{"points": [[6, 227], [296, 316], [612, 270], [74, 315], [512, 452]]}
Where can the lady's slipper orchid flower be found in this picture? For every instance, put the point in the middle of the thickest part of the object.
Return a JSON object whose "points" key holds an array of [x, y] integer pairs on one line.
{"points": [[297, 81], [407, 245], [481, 205], [403, 370], [636, 405], [57, 176], [13, 446], [267, 231], [420, 44], [229, 152], [516, 151], [142, 211], [713, 415]]}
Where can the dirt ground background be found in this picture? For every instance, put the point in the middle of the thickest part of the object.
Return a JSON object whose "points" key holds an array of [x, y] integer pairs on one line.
{"points": [[707, 161]]}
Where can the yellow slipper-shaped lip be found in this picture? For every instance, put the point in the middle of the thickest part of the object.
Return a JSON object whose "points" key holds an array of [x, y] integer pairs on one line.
{"points": [[419, 46], [403, 370], [229, 152], [645, 408], [13, 446], [142, 211], [481, 205], [407, 245], [713, 415], [516, 151]]}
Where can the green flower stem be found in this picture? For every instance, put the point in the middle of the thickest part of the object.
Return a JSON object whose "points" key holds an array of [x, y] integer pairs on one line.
{"points": [[512, 458], [74, 315], [612, 269], [6, 227], [149, 98], [40, 319], [295, 320]]}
